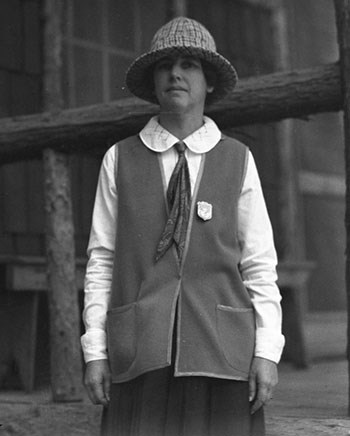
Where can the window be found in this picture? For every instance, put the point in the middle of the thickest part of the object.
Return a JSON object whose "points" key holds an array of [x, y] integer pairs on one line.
{"points": [[101, 39]]}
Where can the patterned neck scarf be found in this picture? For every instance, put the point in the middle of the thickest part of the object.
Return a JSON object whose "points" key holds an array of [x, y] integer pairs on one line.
{"points": [[179, 203]]}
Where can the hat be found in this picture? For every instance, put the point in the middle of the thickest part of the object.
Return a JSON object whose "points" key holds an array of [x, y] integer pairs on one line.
{"points": [[181, 37]]}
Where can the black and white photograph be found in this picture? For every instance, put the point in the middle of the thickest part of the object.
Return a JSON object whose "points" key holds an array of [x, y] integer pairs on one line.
{"points": [[174, 217]]}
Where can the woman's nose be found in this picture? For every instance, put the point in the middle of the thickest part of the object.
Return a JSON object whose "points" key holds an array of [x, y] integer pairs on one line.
{"points": [[175, 70]]}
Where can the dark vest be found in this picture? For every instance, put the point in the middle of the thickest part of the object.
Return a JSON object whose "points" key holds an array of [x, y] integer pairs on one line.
{"points": [[215, 319]]}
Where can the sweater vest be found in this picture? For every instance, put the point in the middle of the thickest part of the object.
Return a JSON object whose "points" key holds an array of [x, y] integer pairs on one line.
{"points": [[215, 325]]}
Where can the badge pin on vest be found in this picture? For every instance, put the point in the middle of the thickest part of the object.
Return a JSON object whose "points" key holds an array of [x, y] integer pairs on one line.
{"points": [[204, 210]]}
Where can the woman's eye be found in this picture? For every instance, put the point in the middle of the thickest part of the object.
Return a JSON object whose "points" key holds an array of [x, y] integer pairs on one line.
{"points": [[190, 64], [163, 65]]}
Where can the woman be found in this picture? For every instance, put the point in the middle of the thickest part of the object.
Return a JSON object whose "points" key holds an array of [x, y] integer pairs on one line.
{"points": [[181, 256]]}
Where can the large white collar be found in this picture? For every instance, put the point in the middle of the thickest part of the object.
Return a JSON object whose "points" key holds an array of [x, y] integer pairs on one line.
{"points": [[158, 139]]}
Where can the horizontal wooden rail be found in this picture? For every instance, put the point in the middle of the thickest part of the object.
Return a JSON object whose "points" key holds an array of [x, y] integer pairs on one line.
{"points": [[28, 273], [294, 94]]}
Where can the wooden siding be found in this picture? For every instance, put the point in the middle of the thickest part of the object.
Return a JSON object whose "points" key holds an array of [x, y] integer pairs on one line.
{"points": [[320, 147], [21, 222], [101, 39], [243, 33], [98, 48]]}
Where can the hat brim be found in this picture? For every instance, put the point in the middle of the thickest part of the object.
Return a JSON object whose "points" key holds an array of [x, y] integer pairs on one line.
{"points": [[139, 77]]}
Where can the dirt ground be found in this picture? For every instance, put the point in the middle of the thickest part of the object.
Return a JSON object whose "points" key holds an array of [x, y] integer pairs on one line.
{"points": [[309, 402], [82, 419], [24, 415], [54, 421]]}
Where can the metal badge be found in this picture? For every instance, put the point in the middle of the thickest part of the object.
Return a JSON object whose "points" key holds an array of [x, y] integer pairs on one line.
{"points": [[204, 210]]}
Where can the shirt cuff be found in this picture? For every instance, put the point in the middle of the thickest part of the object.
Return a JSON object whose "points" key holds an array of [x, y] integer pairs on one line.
{"points": [[94, 345], [268, 344]]}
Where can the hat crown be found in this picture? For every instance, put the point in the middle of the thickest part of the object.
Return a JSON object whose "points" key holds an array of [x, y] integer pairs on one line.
{"points": [[183, 32], [181, 36]]}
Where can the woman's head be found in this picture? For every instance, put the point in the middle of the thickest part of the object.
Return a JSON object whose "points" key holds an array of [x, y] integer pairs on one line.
{"points": [[182, 37], [180, 85]]}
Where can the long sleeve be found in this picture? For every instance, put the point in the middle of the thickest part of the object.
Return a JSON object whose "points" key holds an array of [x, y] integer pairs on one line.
{"points": [[99, 268], [258, 265]]}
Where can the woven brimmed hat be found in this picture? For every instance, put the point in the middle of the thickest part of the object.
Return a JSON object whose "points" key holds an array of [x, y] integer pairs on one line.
{"points": [[181, 37]]}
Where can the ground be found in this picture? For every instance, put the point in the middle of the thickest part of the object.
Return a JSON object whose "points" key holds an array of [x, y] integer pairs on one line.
{"points": [[308, 402], [24, 417]]}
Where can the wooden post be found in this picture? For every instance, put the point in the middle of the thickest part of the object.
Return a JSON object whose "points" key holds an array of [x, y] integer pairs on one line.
{"points": [[66, 368], [342, 8], [287, 194], [289, 239], [177, 8]]}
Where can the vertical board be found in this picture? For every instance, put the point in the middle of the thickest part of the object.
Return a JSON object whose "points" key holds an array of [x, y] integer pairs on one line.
{"points": [[25, 94], [83, 198], [5, 92], [87, 20], [96, 60], [88, 73], [77, 190], [242, 32], [120, 24], [20, 89], [322, 229], [35, 196], [14, 198], [10, 34], [31, 37], [320, 147], [153, 14], [118, 66], [89, 173]]}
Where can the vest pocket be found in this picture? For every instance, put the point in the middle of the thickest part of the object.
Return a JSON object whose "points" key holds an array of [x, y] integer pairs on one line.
{"points": [[121, 338], [236, 329]]}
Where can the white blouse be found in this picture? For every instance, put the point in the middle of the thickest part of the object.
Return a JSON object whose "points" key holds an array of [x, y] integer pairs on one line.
{"points": [[258, 255]]}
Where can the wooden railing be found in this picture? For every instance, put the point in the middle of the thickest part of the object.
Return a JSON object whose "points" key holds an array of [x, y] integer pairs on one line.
{"points": [[273, 97]]}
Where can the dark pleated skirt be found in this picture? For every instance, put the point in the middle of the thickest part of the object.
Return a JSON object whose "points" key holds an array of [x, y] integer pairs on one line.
{"points": [[159, 404]]}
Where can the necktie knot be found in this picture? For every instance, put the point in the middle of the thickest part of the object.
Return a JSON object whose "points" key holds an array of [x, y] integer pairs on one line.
{"points": [[180, 147]]}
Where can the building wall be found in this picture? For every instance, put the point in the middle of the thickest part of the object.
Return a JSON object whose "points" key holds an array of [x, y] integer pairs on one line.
{"points": [[243, 33], [20, 91], [100, 39], [318, 142]]}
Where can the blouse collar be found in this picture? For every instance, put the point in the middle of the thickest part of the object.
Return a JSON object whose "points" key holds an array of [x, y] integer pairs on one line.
{"points": [[158, 139]]}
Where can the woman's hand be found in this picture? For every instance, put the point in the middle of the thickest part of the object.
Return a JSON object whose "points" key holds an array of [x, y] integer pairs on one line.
{"points": [[97, 381], [263, 378]]}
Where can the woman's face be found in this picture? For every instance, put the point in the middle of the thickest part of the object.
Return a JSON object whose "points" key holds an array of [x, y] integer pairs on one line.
{"points": [[180, 84]]}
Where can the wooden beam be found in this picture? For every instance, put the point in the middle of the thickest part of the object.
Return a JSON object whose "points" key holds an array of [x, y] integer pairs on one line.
{"points": [[321, 184], [342, 8], [66, 365], [29, 273], [294, 94]]}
